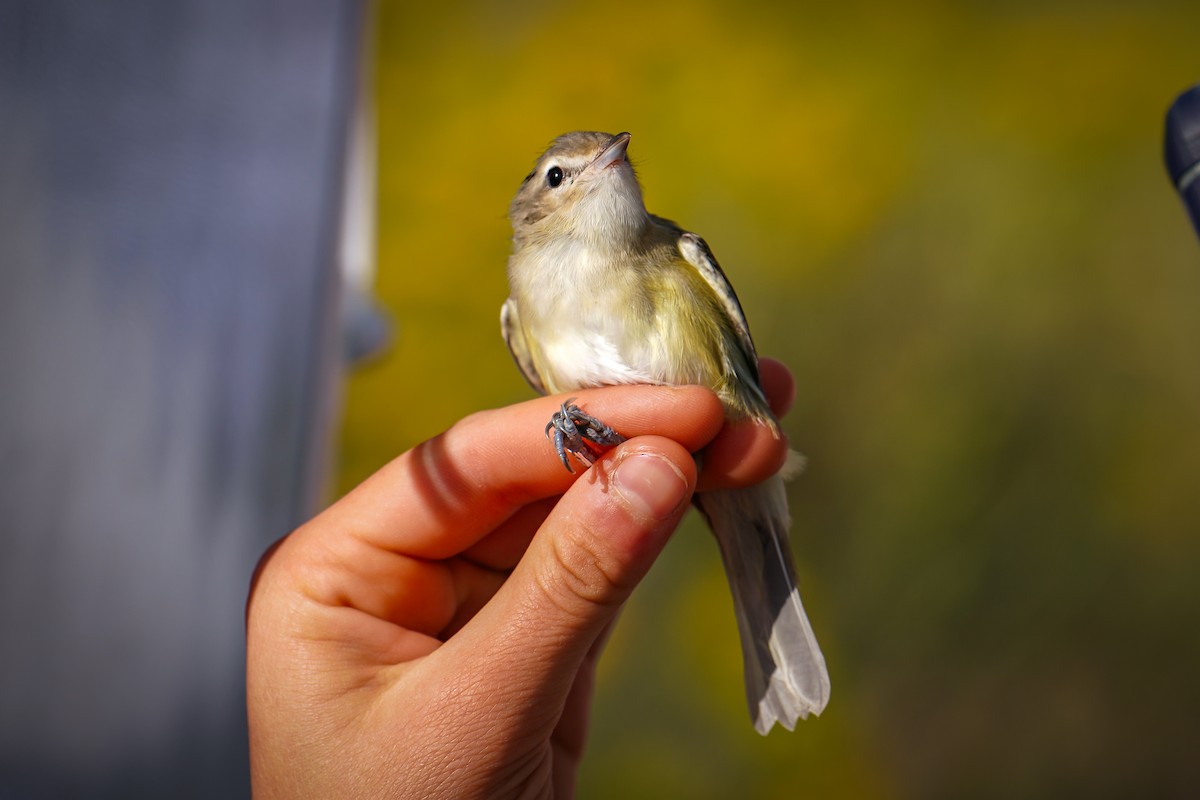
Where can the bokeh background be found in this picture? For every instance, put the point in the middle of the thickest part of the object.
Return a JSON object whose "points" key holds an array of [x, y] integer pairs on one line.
{"points": [[952, 222]]}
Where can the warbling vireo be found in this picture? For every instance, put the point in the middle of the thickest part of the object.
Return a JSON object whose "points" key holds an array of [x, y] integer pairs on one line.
{"points": [[603, 292]]}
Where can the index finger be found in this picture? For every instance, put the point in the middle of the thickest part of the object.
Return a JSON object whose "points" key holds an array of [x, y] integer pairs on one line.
{"points": [[441, 497]]}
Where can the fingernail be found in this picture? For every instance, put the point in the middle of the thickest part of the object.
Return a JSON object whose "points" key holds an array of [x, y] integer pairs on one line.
{"points": [[650, 484]]}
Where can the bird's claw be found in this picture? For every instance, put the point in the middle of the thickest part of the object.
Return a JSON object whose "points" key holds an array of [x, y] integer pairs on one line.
{"points": [[579, 434]]}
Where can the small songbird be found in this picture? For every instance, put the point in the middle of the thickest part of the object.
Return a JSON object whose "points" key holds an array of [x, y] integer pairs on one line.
{"points": [[602, 293]]}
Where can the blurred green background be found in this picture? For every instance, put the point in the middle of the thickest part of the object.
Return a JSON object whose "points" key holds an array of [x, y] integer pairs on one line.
{"points": [[952, 222]]}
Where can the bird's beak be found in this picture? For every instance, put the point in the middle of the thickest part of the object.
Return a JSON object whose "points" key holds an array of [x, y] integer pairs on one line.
{"points": [[612, 154]]}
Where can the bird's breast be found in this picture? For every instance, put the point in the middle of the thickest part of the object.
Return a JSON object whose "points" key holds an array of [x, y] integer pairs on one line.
{"points": [[580, 309]]}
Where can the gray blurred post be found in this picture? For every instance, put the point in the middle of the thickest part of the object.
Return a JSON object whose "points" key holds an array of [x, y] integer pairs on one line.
{"points": [[171, 177]]}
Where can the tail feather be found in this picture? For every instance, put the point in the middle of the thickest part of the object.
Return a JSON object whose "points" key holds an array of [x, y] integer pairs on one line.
{"points": [[785, 673]]}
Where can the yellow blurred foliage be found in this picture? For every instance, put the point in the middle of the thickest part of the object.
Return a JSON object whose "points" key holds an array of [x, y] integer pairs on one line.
{"points": [[952, 221]]}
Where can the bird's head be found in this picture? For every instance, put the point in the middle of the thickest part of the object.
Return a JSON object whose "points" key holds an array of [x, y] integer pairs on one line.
{"points": [[584, 187]]}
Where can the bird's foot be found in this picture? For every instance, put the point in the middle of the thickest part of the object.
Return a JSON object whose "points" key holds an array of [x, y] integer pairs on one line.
{"points": [[579, 434]]}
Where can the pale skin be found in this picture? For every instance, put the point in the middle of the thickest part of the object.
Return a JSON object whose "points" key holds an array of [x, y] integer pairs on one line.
{"points": [[435, 632]]}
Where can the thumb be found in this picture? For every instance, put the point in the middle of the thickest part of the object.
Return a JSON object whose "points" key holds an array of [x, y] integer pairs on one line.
{"points": [[583, 563]]}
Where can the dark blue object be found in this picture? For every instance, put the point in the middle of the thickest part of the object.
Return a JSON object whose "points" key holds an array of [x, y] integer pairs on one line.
{"points": [[1182, 150], [171, 177]]}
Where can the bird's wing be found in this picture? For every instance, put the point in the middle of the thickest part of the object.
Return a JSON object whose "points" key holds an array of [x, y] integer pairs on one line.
{"points": [[514, 337], [696, 253]]}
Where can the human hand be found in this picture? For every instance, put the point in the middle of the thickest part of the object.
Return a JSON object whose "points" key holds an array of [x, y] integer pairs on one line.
{"points": [[435, 632]]}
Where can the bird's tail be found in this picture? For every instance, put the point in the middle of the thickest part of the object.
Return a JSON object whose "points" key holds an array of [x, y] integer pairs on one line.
{"points": [[785, 672]]}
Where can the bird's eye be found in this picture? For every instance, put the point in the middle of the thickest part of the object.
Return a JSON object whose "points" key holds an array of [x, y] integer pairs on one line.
{"points": [[554, 176]]}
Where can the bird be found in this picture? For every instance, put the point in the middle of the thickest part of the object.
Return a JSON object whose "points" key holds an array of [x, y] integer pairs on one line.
{"points": [[602, 292]]}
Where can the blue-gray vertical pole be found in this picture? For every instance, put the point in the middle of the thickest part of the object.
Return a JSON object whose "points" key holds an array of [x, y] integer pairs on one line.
{"points": [[171, 175]]}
